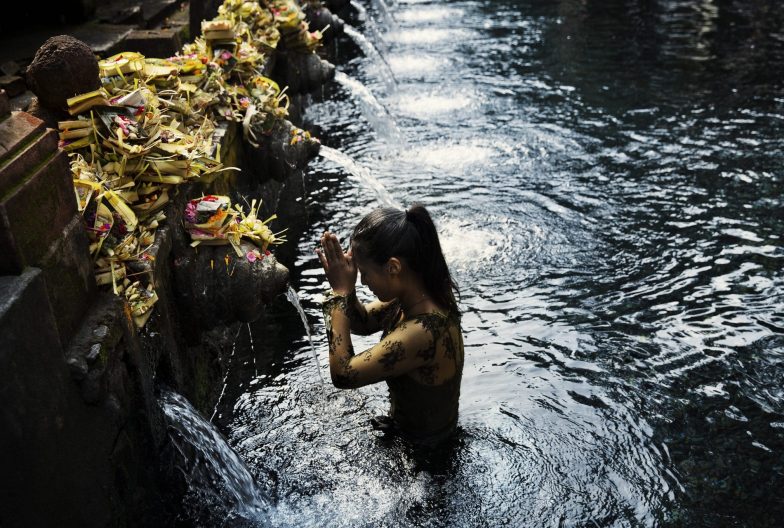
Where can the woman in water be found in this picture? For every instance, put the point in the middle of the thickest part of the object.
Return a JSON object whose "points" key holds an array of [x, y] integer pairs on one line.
{"points": [[420, 356]]}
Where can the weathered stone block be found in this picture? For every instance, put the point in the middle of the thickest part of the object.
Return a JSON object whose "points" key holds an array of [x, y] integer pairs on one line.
{"points": [[154, 42], [70, 281], [12, 84], [15, 132], [96, 350], [34, 213], [23, 300], [30, 154], [5, 107], [277, 157]]}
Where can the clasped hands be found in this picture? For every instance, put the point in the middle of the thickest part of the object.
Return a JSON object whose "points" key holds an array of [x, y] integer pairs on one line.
{"points": [[339, 266]]}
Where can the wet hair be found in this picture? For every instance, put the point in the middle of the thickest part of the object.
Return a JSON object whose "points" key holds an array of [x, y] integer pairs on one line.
{"points": [[410, 236]]}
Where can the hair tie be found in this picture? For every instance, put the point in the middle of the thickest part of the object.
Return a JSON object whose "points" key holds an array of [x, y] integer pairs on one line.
{"points": [[408, 215]]}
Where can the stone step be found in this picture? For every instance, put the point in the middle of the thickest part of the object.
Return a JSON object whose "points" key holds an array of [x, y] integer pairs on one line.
{"points": [[144, 13], [159, 43], [100, 37]]}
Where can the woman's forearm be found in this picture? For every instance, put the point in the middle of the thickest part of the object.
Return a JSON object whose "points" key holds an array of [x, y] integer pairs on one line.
{"points": [[341, 351]]}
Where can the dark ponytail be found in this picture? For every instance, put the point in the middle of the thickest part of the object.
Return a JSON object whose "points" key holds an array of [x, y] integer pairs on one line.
{"points": [[411, 236]]}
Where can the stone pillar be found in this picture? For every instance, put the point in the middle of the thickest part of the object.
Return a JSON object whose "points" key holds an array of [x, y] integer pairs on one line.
{"points": [[39, 222]]}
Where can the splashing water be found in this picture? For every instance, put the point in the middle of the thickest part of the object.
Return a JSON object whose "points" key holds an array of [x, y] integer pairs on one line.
{"points": [[362, 174], [253, 351], [218, 480], [293, 298]]}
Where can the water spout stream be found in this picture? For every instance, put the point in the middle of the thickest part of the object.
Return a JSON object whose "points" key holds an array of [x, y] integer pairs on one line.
{"points": [[370, 24], [293, 298], [228, 368], [374, 111], [382, 8], [372, 53], [362, 174]]}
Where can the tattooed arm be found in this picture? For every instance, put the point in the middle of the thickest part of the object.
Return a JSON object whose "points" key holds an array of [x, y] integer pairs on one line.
{"points": [[408, 347], [366, 319]]}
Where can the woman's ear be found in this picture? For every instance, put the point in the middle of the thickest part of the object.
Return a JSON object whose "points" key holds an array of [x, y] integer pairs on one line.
{"points": [[394, 266]]}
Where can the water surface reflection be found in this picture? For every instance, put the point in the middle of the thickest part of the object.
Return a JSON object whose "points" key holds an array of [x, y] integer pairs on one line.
{"points": [[611, 203]]}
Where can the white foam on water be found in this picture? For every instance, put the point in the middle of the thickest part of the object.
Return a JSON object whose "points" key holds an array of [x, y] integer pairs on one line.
{"points": [[410, 64], [426, 35], [454, 157], [430, 105], [466, 246]]}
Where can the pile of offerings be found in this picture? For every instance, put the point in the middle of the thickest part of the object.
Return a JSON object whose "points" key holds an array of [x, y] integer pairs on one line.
{"points": [[293, 28], [211, 220], [128, 148], [150, 127]]}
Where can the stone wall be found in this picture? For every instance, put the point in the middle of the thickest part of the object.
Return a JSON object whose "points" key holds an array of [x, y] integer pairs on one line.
{"points": [[81, 430]]}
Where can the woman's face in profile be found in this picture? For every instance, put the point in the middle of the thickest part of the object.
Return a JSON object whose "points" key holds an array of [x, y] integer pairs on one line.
{"points": [[375, 277]]}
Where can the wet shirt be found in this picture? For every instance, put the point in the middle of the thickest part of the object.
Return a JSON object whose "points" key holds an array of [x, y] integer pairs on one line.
{"points": [[420, 358]]}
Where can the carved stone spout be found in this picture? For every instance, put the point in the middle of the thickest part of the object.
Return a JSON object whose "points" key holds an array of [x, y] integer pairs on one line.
{"points": [[214, 285]]}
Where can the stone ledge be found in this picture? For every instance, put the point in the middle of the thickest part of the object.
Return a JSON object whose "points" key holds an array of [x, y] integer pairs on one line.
{"points": [[13, 85], [153, 42], [23, 300]]}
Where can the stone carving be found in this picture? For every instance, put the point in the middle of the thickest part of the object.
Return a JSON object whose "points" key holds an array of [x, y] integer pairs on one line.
{"points": [[63, 67]]}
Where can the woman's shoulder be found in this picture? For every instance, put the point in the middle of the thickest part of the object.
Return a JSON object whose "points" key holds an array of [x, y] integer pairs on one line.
{"points": [[435, 322]]}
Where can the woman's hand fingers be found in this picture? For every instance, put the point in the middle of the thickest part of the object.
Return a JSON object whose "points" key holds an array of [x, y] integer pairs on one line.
{"points": [[325, 249], [323, 260], [332, 247]]}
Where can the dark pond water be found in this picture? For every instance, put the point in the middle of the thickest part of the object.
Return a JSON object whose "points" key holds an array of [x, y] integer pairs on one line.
{"points": [[607, 178]]}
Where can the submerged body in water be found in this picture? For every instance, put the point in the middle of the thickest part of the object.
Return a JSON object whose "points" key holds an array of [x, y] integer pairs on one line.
{"points": [[420, 355]]}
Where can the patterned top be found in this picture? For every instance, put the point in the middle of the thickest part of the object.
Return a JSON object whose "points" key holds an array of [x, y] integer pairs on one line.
{"points": [[420, 358]]}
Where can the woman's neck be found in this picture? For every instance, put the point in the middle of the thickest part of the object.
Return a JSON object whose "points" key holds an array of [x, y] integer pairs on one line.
{"points": [[415, 302]]}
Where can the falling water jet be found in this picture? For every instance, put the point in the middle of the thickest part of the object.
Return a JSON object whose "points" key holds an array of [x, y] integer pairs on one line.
{"points": [[293, 298], [363, 14], [218, 480], [253, 352], [382, 8], [375, 112], [370, 24], [361, 173], [370, 51], [228, 368]]}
